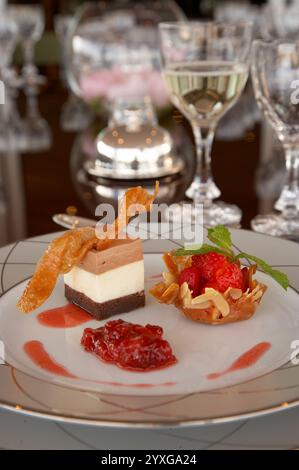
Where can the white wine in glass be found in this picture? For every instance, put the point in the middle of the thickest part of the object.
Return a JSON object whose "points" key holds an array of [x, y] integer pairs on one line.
{"points": [[205, 66], [204, 91]]}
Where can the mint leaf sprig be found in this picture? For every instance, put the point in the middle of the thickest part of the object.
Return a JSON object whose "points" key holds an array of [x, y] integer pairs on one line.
{"points": [[277, 275], [204, 248], [221, 237]]}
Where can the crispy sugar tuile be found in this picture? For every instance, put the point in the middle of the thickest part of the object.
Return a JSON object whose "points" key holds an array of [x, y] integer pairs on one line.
{"points": [[170, 264], [168, 278], [170, 294], [157, 290], [60, 256]]}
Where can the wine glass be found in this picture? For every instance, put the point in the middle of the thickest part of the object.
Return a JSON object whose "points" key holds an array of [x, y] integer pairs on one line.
{"points": [[232, 10], [205, 66], [275, 73], [11, 135], [112, 51], [280, 19], [113, 61], [75, 113], [31, 23]]}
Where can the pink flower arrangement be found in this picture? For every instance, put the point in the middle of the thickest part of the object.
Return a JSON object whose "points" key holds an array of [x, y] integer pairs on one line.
{"points": [[116, 83]]}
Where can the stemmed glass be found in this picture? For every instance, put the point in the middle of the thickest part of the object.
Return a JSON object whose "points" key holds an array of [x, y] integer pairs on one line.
{"points": [[205, 66], [113, 61], [11, 135], [75, 114], [275, 74], [280, 19], [31, 23], [112, 51]]}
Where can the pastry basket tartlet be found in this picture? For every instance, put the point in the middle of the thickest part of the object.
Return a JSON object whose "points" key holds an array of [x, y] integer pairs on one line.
{"points": [[212, 306]]}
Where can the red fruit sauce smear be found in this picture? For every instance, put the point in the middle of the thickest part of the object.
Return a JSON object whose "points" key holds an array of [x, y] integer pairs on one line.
{"points": [[248, 359], [129, 346], [67, 316], [36, 352]]}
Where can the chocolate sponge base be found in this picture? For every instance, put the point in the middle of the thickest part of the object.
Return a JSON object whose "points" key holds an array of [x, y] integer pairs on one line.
{"points": [[101, 311]]}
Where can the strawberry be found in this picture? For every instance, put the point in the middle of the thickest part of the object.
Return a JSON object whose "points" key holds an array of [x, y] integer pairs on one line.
{"points": [[192, 277], [229, 275], [209, 264]]}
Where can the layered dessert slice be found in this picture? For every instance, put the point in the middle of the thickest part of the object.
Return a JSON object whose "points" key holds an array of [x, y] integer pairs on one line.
{"points": [[104, 274], [110, 281]]}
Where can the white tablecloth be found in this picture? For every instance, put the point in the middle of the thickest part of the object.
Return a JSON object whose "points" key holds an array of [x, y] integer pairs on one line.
{"points": [[276, 431]]}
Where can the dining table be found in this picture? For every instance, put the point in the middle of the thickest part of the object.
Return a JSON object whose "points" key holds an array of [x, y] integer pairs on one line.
{"points": [[36, 186]]}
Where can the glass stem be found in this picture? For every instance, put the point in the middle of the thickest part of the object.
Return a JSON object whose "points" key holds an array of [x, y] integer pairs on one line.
{"points": [[32, 110], [203, 140], [290, 210], [32, 102], [28, 53]]}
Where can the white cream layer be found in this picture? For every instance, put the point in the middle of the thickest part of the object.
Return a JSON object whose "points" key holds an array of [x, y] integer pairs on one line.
{"points": [[118, 282]]}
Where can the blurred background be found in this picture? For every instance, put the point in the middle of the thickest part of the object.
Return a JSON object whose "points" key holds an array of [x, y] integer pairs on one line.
{"points": [[57, 147]]}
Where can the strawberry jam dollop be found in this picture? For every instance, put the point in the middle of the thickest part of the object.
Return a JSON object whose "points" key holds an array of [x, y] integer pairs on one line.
{"points": [[129, 346]]}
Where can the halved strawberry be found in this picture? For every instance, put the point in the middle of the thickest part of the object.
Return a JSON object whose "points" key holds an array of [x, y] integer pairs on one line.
{"points": [[228, 276], [192, 277], [209, 264]]}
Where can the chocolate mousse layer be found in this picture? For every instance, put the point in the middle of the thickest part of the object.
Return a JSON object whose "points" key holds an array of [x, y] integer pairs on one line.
{"points": [[104, 310], [120, 253]]}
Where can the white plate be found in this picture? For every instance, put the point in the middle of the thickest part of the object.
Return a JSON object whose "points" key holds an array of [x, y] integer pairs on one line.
{"points": [[181, 393], [200, 349]]}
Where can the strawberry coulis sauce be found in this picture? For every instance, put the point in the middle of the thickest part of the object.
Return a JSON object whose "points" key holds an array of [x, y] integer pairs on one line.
{"points": [[67, 316], [36, 352], [248, 359]]}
